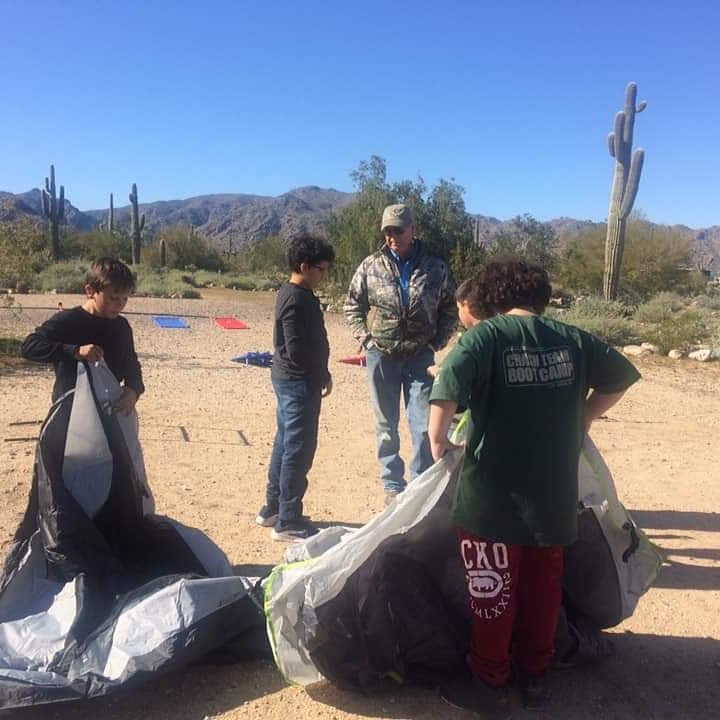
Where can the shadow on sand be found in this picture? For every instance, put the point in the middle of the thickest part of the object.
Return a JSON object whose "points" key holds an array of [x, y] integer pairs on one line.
{"points": [[701, 574], [663, 678]]}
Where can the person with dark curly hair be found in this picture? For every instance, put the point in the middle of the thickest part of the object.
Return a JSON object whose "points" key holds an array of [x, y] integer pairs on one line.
{"points": [[533, 386], [300, 378]]}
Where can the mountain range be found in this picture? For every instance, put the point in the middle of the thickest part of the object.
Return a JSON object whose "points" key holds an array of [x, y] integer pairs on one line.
{"points": [[243, 219]]}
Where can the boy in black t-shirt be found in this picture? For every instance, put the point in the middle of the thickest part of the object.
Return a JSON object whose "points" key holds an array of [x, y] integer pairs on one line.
{"points": [[527, 379], [300, 379], [92, 331]]}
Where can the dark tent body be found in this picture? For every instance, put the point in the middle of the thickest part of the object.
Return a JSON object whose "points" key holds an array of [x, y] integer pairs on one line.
{"points": [[98, 592], [387, 603]]}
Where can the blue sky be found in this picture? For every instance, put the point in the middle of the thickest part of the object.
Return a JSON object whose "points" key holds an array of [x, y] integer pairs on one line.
{"points": [[513, 100]]}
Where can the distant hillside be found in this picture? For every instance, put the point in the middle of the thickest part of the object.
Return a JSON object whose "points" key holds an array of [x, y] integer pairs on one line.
{"points": [[245, 219], [241, 218]]}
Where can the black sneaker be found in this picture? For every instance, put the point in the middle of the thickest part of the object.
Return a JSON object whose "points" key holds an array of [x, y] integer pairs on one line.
{"points": [[534, 693], [268, 516], [478, 697], [291, 532]]}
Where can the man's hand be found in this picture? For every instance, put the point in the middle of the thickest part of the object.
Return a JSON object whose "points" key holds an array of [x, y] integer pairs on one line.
{"points": [[91, 353], [126, 402], [327, 389]]}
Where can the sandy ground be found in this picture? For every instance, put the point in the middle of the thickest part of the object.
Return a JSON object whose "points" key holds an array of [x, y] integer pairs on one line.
{"points": [[661, 444]]}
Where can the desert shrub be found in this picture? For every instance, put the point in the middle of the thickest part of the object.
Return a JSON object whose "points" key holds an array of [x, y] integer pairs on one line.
{"points": [[23, 252], [594, 306], [659, 308], [252, 282], [655, 259], [709, 302], [67, 276], [186, 250], [164, 283], [103, 243], [609, 320], [613, 330], [681, 331]]}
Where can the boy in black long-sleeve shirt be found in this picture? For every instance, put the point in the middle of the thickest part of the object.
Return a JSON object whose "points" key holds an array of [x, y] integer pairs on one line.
{"points": [[91, 332], [300, 379]]}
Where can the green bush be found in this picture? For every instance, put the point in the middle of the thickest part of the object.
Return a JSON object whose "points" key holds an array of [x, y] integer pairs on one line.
{"points": [[659, 308], [23, 253], [164, 283], [681, 331], [594, 306], [613, 330], [65, 277]]}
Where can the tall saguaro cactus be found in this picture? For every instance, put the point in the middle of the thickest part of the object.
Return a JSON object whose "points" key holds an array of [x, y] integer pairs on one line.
{"points": [[53, 210], [111, 216], [137, 223], [628, 167]]}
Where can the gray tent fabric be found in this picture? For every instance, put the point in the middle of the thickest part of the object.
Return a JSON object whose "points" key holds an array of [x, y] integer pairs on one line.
{"points": [[387, 603], [98, 592]]}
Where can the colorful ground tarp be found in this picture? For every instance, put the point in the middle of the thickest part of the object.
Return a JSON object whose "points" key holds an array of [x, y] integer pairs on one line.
{"points": [[230, 323], [260, 359], [360, 360], [171, 322]]}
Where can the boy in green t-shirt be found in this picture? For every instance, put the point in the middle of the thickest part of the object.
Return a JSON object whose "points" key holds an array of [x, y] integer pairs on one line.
{"points": [[526, 380]]}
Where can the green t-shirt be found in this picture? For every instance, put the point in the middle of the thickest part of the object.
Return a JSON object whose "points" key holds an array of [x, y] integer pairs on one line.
{"points": [[525, 380]]}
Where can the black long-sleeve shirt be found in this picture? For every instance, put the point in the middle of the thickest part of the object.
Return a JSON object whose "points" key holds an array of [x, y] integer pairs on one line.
{"points": [[58, 338], [301, 344]]}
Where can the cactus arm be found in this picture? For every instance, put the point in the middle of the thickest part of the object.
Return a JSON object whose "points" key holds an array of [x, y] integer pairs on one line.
{"points": [[61, 204], [631, 189], [611, 143]]}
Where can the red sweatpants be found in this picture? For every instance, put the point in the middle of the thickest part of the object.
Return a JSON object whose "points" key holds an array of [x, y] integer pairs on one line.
{"points": [[511, 587]]}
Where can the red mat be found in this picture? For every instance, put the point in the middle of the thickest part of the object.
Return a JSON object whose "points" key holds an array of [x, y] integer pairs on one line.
{"points": [[354, 360], [231, 323]]}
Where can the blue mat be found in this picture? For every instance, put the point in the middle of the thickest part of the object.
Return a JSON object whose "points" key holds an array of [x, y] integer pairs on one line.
{"points": [[170, 321], [261, 359]]}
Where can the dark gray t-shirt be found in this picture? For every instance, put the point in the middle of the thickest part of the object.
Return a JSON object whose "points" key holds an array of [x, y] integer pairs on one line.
{"points": [[299, 337]]}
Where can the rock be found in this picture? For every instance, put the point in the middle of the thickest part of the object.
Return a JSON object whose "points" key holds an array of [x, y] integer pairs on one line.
{"points": [[635, 350], [676, 354], [702, 355], [650, 347]]}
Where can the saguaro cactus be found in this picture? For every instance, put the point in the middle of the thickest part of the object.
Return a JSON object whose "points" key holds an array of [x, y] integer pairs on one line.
{"points": [[137, 223], [628, 167], [111, 216], [53, 209], [163, 253]]}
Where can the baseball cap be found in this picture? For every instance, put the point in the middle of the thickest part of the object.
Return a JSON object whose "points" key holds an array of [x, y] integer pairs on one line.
{"points": [[399, 216]]}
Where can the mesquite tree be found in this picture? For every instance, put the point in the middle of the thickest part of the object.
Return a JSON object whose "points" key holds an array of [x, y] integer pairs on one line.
{"points": [[628, 167]]}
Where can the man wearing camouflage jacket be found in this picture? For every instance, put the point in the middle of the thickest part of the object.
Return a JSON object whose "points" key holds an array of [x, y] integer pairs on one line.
{"points": [[401, 307]]}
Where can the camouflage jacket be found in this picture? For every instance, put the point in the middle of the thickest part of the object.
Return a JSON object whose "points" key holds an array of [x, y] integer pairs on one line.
{"points": [[374, 304]]}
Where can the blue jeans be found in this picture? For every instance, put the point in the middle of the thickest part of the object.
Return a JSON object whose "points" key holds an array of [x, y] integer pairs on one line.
{"points": [[298, 412], [389, 377]]}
